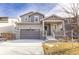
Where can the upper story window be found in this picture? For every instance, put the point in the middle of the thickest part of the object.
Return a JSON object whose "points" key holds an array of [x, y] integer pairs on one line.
{"points": [[26, 18], [55, 27], [36, 18], [71, 21]]}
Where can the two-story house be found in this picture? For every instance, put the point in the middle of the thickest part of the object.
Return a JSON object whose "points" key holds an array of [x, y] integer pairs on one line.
{"points": [[35, 25]]}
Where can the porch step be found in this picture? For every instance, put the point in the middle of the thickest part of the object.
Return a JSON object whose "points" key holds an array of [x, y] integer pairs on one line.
{"points": [[51, 38]]}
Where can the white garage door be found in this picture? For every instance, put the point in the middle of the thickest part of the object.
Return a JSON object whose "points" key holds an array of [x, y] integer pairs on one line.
{"points": [[29, 34]]}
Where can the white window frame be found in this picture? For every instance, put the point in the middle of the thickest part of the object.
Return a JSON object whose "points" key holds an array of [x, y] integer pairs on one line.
{"points": [[70, 21], [35, 18], [55, 26], [25, 18]]}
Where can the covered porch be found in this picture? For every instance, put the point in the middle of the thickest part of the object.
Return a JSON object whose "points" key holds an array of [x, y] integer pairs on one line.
{"points": [[53, 28]]}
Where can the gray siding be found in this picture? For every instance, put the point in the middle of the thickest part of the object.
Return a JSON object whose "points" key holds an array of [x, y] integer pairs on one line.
{"points": [[23, 18], [31, 17]]}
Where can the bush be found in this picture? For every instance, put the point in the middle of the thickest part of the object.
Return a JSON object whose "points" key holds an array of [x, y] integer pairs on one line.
{"points": [[8, 36]]}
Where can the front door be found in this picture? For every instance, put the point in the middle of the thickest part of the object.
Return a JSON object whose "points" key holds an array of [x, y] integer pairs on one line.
{"points": [[48, 29]]}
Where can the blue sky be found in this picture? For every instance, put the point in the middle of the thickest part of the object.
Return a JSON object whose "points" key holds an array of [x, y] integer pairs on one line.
{"points": [[16, 9]]}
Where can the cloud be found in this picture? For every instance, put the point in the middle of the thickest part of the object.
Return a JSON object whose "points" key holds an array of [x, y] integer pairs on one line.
{"points": [[16, 9], [39, 7], [11, 9]]}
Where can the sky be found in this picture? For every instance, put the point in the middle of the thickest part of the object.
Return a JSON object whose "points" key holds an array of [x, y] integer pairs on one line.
{"points": [[17, 9]]}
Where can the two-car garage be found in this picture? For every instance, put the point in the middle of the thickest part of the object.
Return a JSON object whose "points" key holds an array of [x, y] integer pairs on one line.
{"points": [[29, 34]]}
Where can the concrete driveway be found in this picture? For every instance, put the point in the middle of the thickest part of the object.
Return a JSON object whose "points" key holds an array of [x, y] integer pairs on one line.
{"points": [[21, 47]]}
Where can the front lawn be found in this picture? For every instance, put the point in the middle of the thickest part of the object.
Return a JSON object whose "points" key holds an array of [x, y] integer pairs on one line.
{"points": [[61, 48]]}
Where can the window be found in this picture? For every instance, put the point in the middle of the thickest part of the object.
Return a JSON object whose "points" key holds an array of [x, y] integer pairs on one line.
{"points": [[70, 21], [54, 26], [26, 18], [32, 20], [36, 18]]}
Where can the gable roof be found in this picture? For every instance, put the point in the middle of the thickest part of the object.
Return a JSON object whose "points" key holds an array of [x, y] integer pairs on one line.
{"points": [[37, 13], [55, 17], [27, 13], [32, 13]]}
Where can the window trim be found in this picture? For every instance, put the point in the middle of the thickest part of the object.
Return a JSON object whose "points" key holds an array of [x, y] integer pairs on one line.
{"points": [[37, 20], [26, 17], [70, 21]]}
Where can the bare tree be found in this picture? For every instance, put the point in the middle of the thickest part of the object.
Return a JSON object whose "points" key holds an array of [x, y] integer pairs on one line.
{"points": [[72, 10]]}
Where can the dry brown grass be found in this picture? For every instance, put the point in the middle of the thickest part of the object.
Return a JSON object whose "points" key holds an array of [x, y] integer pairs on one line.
{"points": [[59, 48]]}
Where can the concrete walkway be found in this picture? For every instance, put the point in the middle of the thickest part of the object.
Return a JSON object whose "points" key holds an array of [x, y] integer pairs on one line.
{"points": [[21, 47]]}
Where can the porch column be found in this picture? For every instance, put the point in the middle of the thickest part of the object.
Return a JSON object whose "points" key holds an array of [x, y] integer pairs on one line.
{"points": [[64, 29], [43, 28], [51, 29]]}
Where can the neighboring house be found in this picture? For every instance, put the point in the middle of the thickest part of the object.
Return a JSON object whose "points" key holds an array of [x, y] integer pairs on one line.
{"points": [[4, 20], [70, 25], [34, 25], [4, 24], [7, 25]]}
